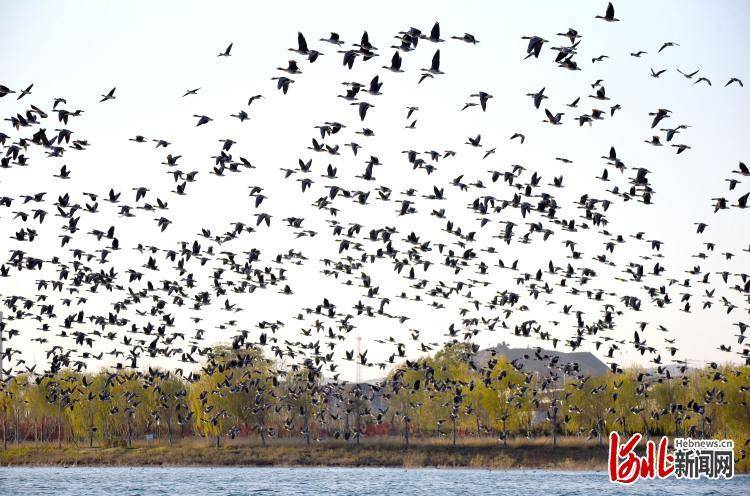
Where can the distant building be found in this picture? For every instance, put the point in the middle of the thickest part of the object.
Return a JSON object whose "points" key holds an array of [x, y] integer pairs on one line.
{"points": [[540, 360], [546, 363]]}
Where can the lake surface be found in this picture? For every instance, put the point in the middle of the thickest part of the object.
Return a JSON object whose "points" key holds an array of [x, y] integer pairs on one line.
{"points": [[232, 481]]}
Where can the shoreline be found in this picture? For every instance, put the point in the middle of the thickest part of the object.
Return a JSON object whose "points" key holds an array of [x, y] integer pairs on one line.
{"points": [[589, 458], [420, 456]]}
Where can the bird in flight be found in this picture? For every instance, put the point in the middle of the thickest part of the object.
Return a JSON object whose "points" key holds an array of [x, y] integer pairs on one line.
{"points": [[440, 230], [227, 51], [110, 95]]}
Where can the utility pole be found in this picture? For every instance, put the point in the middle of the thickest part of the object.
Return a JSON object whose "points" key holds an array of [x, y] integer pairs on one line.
{"points": [[5, 439], [359, 361], [1, 347]]}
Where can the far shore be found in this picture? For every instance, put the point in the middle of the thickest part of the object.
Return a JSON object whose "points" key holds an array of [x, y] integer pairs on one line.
{"points": [[316, 455], [570, 454]]}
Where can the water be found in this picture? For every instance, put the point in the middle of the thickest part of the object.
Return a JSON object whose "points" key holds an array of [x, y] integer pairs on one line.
{"points": [[231, 481]]}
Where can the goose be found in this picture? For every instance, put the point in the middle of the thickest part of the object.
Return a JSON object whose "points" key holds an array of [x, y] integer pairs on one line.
{"points": [[241, 115], [291, 68], [282, 83], [537, 97], [734, 80], [349, 57], [395, 63], [667, 44], [553, 119], [600, 94], [569, 64], [64, 173], [425, 75], [672, 132], [108, 96], [534, 46], [609, 15], [202, 119], [363, 107], [434, 34], [333, 39], [227, 51], [565, 51], [351, 93], [375, 85], [571, 34], [253, 98], [408, 42], [474, 141], [658, 116], [301, 45], [688, 76], [364, 45], [466, 37], [435, 66], [483, 98], [4, 90], [26, 91]]}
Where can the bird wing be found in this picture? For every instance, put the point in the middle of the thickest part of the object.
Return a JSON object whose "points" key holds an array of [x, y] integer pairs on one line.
{"points": [[436, 61], [396, 60], [301, 42]]}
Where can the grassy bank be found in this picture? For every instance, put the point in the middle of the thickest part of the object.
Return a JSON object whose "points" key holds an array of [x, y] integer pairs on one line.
{"points": [[317, 455], [571, 454]]}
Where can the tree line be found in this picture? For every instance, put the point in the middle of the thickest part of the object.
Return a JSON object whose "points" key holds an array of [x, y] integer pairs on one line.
{"points": [[242, 393]]}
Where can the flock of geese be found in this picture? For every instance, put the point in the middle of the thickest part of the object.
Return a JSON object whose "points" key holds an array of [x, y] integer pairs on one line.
{"points": [[155, 310]]}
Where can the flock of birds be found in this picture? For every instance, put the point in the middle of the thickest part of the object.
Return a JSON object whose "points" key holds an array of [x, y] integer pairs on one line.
{"points": [[156, 309]]}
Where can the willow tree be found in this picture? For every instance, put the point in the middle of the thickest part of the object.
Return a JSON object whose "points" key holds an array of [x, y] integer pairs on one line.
{"points": [[170, 393], [16, 389], [87, 406], [251, 382], [503, 398], [592, 399], [303, 398], [208, 401]]}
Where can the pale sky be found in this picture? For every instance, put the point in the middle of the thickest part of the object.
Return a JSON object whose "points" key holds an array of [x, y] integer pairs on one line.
{"points": [[154, 51]]}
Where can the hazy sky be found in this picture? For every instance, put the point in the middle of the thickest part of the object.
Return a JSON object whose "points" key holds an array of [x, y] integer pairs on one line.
{"points": [[154, 51]]}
